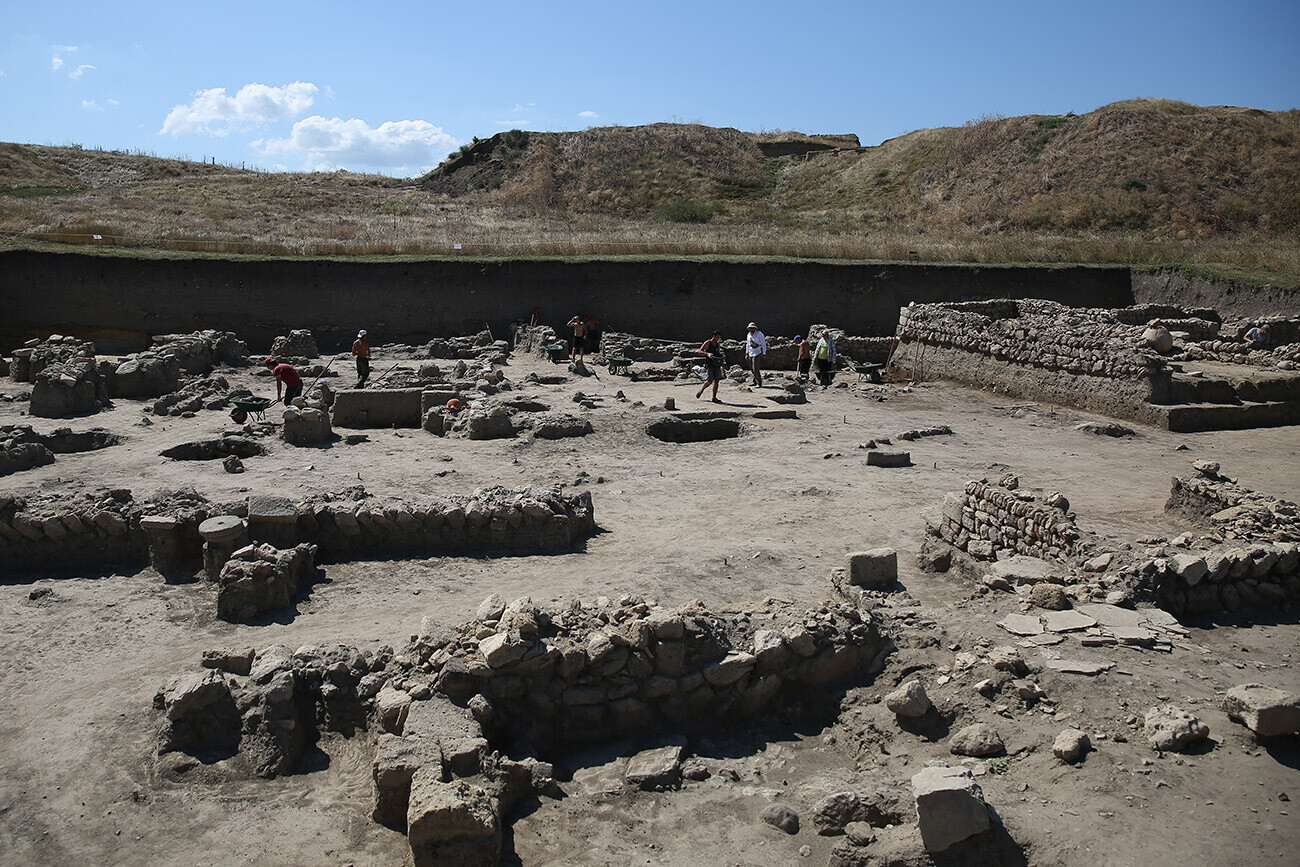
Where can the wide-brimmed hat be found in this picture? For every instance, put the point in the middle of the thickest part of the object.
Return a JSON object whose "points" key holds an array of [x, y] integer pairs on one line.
{"points": [[751, 325]]}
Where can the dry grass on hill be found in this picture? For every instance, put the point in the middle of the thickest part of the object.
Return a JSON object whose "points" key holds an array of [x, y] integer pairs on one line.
{"points": [[1138, 182]]}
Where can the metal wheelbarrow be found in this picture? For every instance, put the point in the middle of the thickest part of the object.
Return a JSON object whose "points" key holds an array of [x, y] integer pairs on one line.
{"points": [[246, 406]]}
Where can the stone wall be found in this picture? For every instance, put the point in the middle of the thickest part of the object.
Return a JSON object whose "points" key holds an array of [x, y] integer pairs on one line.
{"points": [[1243, 553], [589, 671], [1038, 350], [89, 532], [538, 677], [1246, 555], [984, 517]]}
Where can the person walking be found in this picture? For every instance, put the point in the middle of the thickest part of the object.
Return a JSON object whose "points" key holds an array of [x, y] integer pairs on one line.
{"points": [[713, 361], [804, 360], [825, 357], [579, 347], [361, 349], [286, 379], [755, 349]]}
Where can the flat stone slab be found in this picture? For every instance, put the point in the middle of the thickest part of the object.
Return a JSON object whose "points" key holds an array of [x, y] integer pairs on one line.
{"points": [[1067, 621], [1110, 615], [272, 510], [655, 768], [1021, 624], [607, 779], [1078, 666], [1132, 635], [158, 522], [223, 528], [1019, 569]]}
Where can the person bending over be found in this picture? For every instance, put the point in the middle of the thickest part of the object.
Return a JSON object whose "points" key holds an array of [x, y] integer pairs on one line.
{"points": [[286, 379]]}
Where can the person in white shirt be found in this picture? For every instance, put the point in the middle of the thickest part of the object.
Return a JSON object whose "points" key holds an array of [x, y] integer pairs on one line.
{"points": [[755, 348]]}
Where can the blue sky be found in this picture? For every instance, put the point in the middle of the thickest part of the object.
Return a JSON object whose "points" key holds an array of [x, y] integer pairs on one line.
{"points": [[394, 86]]}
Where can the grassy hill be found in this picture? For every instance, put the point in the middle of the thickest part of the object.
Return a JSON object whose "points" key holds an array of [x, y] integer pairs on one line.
{"points": [[1142, 181]]}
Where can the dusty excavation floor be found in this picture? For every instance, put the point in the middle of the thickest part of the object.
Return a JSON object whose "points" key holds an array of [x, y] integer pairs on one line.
{"points": [[730, 522]]}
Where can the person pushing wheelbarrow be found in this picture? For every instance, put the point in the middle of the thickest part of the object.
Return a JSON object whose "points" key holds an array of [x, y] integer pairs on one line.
{"points": [[286, 380]]}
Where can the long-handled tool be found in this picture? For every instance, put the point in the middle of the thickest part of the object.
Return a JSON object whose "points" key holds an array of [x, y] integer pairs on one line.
{"points": [[308, 389], [386, 372]]}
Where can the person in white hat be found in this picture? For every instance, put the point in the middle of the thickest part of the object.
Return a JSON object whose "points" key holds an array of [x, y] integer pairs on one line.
{"points": [[755, 348], [361, 349]]}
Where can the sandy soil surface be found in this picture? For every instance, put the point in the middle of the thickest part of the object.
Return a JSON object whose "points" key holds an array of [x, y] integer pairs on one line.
{"points": [[729, 522]]}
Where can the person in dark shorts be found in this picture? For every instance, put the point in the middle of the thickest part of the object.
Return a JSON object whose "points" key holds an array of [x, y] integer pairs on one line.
{"points": [[713, 361], [804, 360], [286, 378], [361, 349], [579, 347]]}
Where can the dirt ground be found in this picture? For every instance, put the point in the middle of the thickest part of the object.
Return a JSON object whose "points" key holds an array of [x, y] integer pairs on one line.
{"points": [[729, 522]]}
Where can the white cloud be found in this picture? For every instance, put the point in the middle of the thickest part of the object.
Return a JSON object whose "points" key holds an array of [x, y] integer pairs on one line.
{"points": [[325, 143], [79, 71], [92, 105], [56, 62], [587, 113], [529, 107], [515, 122], [212, 111]]}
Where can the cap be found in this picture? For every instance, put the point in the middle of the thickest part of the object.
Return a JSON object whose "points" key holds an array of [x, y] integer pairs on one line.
{"points": [[270, 362], [751, 325], [361, 333], [798, 337]]}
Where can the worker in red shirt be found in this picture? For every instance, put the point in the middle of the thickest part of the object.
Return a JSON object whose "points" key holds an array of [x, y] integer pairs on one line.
{"points": [[285, 377]]}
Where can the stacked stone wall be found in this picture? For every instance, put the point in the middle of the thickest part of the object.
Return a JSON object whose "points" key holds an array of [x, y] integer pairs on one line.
{"points": [[113, 528], [525, 518], [984, 517], [594, 671], [539, 677], [1037, 350], [71, 534]]}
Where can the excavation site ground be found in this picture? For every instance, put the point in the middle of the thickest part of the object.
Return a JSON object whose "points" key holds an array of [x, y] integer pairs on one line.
{"points": [[750, 641]]}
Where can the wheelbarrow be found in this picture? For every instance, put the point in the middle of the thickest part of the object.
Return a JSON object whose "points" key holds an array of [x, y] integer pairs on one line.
{"points": [[556, 352], [246, 406]]}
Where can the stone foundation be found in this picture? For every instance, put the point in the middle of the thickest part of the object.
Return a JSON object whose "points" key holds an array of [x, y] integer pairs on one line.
{"points": [[549, 676], [88, 533]]}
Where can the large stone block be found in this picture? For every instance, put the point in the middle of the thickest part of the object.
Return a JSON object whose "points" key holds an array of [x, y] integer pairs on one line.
{"points": [[378, 407], [949, 805], [452, 823], [1266, 711], [875, 569]]}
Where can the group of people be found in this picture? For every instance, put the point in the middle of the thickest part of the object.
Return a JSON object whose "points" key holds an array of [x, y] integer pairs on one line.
{"points": [[823, 355], [288, 382], [586, 331]]}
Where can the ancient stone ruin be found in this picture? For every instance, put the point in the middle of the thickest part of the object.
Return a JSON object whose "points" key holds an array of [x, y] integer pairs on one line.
{"points": [[1108, 361], [442, 710]]}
